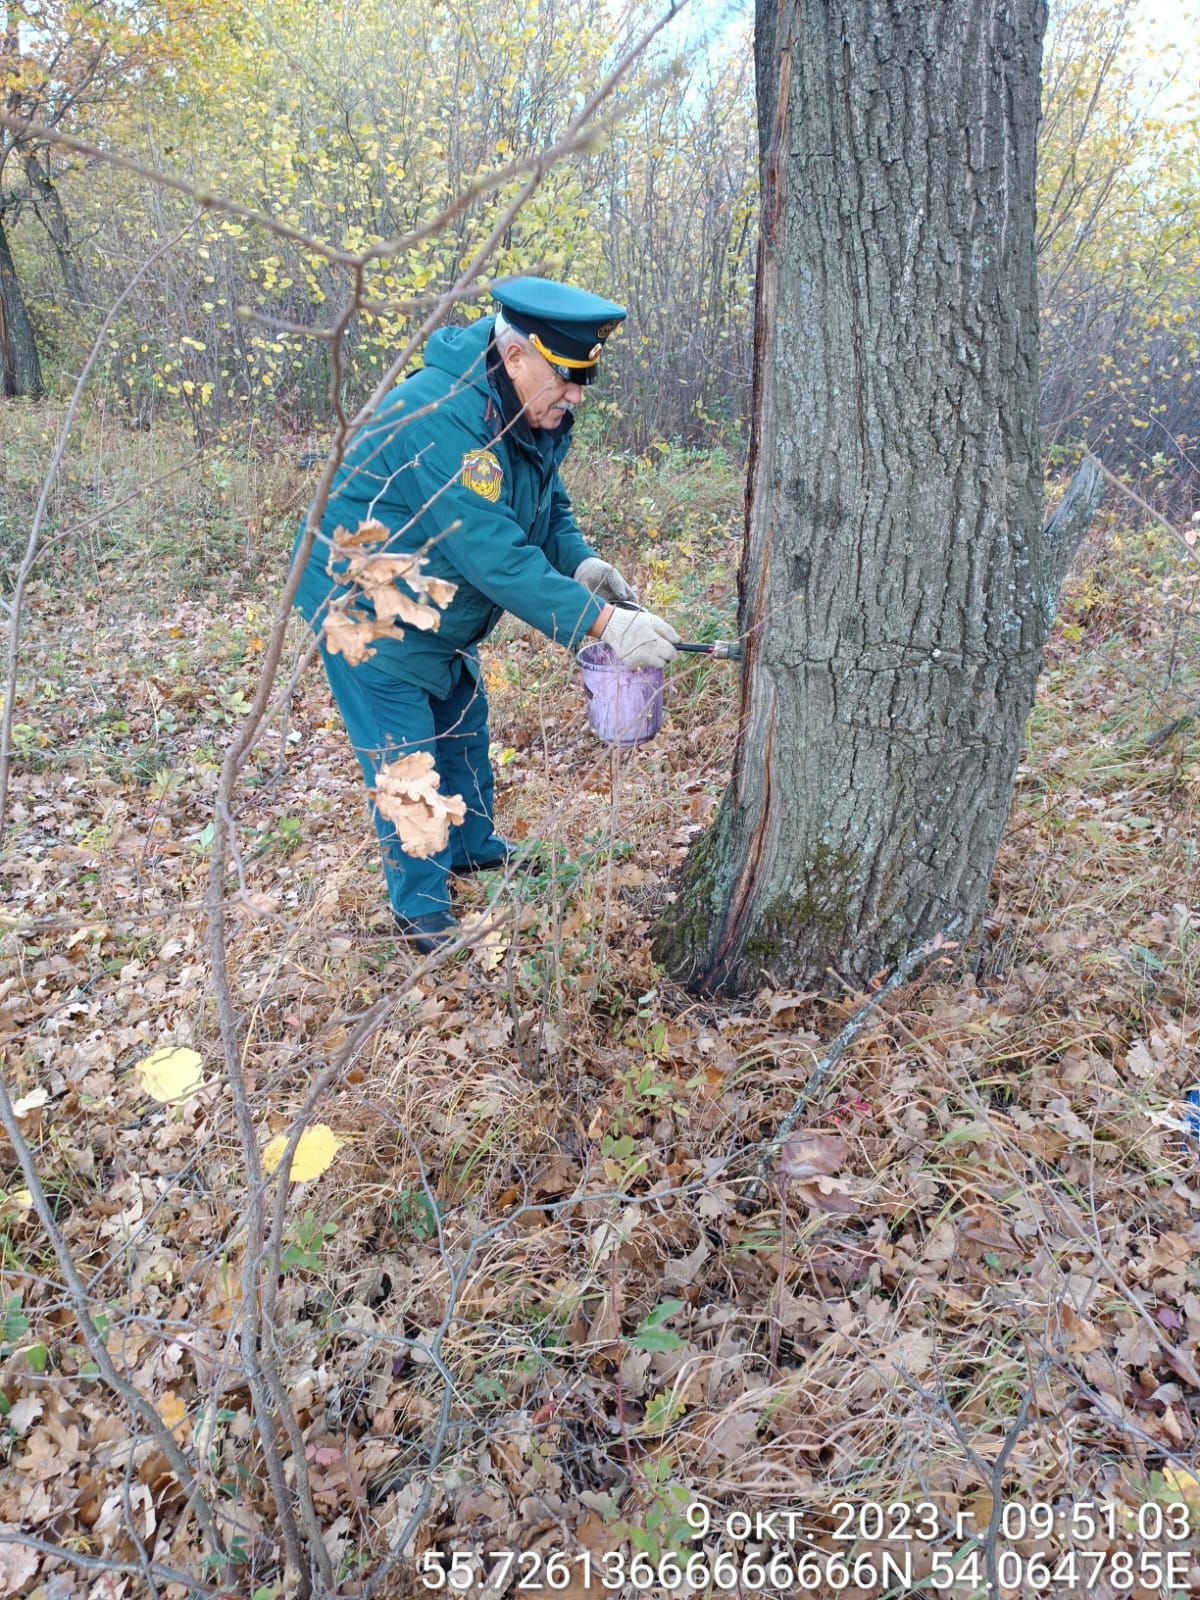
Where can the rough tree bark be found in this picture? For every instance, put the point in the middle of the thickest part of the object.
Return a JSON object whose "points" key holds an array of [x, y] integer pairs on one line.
{"points": [[20, 369], [896, 584], [47, 202]]}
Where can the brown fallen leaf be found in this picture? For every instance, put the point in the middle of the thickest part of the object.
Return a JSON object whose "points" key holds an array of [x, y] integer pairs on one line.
{"points": [[809, 1155], [489, 933], [605, 1328], [18, 1562], [827, 1194], [174, 1413], [29, 1103], [730, 1434], [1077, 1335]]}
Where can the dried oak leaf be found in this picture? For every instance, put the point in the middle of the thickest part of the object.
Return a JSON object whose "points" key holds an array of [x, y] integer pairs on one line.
{"points": [[18, 1562], [367, 533], [378, 577], [1076, 1334], [828, 1194], [490, 942], [352, 637], [604, 1331], [378, 573], [174, 1413], [407, 794], [728, 1435], [807, 1163], [440, 590], [812, 1155]]}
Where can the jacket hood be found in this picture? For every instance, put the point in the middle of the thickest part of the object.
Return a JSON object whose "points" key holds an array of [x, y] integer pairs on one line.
{"points": [[461, 352]]}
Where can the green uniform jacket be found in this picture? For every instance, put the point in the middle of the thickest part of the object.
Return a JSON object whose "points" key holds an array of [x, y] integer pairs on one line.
{"points": [[509, 548]]}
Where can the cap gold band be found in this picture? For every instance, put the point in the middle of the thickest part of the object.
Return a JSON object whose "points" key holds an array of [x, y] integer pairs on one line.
{"points": [[559, 361]]}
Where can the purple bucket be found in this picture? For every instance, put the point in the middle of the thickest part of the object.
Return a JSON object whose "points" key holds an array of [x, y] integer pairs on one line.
{"points": [[624, 704]]}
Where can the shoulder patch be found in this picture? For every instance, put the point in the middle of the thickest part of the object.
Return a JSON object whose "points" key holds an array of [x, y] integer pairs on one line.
{"points": [[482, 473]]}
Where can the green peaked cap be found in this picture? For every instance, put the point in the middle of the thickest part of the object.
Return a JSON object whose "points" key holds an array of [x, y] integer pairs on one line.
{"points": [[565, 324]]}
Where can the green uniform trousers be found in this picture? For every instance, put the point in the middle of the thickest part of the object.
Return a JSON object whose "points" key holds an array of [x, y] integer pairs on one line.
{"points": [[386, 718]]}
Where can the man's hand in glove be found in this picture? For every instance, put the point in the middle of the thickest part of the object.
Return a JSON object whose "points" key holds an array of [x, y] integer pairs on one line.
{"points": [[603, 579], [640, 639]]}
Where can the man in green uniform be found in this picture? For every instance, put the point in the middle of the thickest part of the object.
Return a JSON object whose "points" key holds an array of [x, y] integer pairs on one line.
{"points": [[461, 463]]}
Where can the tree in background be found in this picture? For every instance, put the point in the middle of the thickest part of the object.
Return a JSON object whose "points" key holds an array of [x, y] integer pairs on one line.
{"points": [[678, 195], [1118, 243], [336, 123], [896, 585], [67, 66], [335, 119]]}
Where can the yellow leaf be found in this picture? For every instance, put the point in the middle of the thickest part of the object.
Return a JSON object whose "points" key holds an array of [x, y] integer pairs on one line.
{"points": [[171, 1074], [174, 1413], [315, 1149], [1183, 1483], [489, 945]]}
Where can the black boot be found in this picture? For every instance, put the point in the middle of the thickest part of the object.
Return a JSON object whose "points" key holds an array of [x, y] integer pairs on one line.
{"points": [[428, 933], [498, 854]]}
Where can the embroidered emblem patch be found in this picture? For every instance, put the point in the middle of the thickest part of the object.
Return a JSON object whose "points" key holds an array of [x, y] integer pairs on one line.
{"points": [[605, 328], [482, 474]]}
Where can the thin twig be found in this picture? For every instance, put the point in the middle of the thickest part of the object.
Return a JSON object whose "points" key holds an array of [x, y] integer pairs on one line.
{"points": [[62, 1552], [938, 945], [1189, 550], [1160, 736], [81, 1304]]}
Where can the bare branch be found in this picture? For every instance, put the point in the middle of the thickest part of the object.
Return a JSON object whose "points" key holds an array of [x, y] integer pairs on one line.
{"points": [[904, 969], [1190, 550], [76, 1558]]}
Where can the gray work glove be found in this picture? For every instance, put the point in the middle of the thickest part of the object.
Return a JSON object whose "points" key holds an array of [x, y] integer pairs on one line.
{"points": [[640, 639], [603, 579]]}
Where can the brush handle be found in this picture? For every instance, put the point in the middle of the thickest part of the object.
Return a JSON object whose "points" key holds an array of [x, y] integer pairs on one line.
{"points": [[722, 650]]}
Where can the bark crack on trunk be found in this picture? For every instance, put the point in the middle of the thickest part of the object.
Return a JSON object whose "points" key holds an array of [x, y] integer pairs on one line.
{"points": [[742, 899]]}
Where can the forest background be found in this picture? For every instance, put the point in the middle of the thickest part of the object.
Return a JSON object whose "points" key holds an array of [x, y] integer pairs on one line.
{"points": [[336, 123], [521, 1306]]}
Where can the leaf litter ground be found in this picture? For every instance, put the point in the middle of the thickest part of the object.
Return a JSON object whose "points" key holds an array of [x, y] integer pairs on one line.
{"points": [[518, 1294]]}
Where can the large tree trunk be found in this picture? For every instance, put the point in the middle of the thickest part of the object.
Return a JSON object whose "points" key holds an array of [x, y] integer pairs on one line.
{"points": [[20, 369], [48, 204], [896, 584]]}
